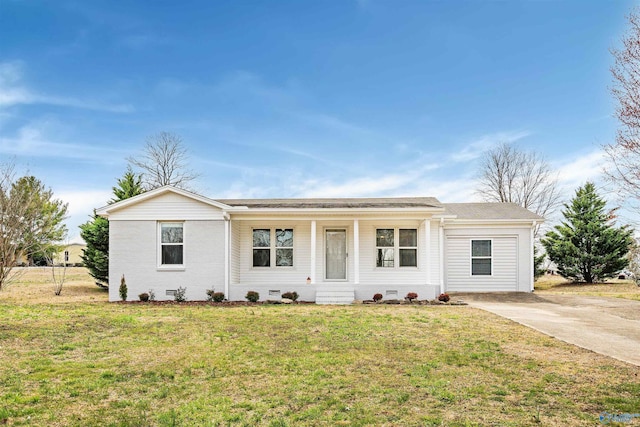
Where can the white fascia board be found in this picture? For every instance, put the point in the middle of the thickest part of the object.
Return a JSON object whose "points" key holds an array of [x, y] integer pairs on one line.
{"points": [[333, 211], [106, 210], [492, 222]]}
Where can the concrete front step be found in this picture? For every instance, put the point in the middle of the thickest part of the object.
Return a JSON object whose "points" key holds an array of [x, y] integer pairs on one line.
{"points": [[335, 296]]}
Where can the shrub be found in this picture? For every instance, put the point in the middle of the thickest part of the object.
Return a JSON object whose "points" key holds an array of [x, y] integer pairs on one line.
{"points": [[377, 297], [411, 296], [215, 296], [123, 289], [152, 295], [252, 296], [444, 297], [293, 296], [180, 295], [144, 296]]}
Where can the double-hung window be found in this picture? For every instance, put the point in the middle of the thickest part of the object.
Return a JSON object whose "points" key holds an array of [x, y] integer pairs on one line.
{"points": [[400, 244], [171, 243], [273, 247], [481, 257], [385, 247]]}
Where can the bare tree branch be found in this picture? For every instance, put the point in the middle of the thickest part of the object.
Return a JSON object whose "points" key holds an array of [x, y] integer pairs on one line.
{"points": [[624, 155], [14, 207], [524, 178], [164, 162]]}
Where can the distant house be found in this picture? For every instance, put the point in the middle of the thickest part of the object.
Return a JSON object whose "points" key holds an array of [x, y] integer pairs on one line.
{"points": [[70, 255], [327, 250]]}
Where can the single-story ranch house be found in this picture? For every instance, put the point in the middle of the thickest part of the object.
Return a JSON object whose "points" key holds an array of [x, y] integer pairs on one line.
{"points": [[327, 250]]}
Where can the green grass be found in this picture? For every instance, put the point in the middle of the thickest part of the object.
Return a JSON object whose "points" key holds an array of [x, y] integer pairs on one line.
{"points": [[78, 364]]}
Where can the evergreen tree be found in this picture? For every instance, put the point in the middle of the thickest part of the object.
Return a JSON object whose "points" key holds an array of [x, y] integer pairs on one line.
{"points": [[587, 247], [96, 232], [128, 186]]}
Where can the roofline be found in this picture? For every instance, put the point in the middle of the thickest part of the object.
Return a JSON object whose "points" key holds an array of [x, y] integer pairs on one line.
{"points": [[249, 210], [456, 220]]}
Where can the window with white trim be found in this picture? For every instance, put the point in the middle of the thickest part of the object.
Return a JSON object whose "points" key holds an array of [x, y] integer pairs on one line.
{"points": [[389, 248], [481, 257], [171, 243], [273, 247]]}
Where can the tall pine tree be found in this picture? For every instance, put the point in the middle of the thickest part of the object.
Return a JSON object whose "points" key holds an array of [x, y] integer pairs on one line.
{"points": [[587, 247], [96, 232]]}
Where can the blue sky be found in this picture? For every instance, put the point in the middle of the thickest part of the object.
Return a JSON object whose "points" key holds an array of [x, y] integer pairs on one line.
{"points": [[305, 98]]}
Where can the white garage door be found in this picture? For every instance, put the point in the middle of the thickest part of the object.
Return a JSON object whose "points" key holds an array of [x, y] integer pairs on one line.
{"points": [[497, 269]]}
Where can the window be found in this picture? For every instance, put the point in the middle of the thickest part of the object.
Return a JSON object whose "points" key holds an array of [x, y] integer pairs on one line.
{"points": [[284, 247], [404, 248], [481, 257], [261, 248], [384, 247], [172, 243], [408, 247], [278, 242]]}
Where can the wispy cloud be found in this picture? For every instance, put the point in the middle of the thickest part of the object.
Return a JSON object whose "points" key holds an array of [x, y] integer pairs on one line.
{"points": [[575, 172], [32, 140], [13, 91], [477, 147], [374, 184]]}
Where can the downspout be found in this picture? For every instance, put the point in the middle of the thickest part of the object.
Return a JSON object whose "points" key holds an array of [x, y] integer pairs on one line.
{"points": [[533, 262]]}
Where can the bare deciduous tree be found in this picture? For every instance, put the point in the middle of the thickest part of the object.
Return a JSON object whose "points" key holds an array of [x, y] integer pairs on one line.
{"points": [[624, 154], [163, 162], [58, 265], [524, 178], [13, 208], [30, 220]]}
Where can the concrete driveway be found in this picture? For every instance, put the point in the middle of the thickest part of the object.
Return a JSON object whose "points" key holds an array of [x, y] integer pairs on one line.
{"points": [[609, 326]]}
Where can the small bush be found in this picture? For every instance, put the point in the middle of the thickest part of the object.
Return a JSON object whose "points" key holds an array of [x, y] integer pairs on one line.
{"points": [[377, 297], [152, 295], [180, 295], [411, 296], [293, 296], [144, 297], [252, 296], [444, 297], [123, 289], [215, 296]]}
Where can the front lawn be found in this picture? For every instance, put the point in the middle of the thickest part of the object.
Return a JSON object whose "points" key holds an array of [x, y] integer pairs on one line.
{"points": [[616, 288], [76, 360]]}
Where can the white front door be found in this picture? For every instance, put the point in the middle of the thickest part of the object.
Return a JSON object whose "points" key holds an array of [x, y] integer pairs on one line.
{"points": [[336, 254]]}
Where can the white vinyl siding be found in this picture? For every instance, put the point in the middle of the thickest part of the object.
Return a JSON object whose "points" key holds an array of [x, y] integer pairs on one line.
{"points": [[168, 206], [504, 265], [235, 252]]}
